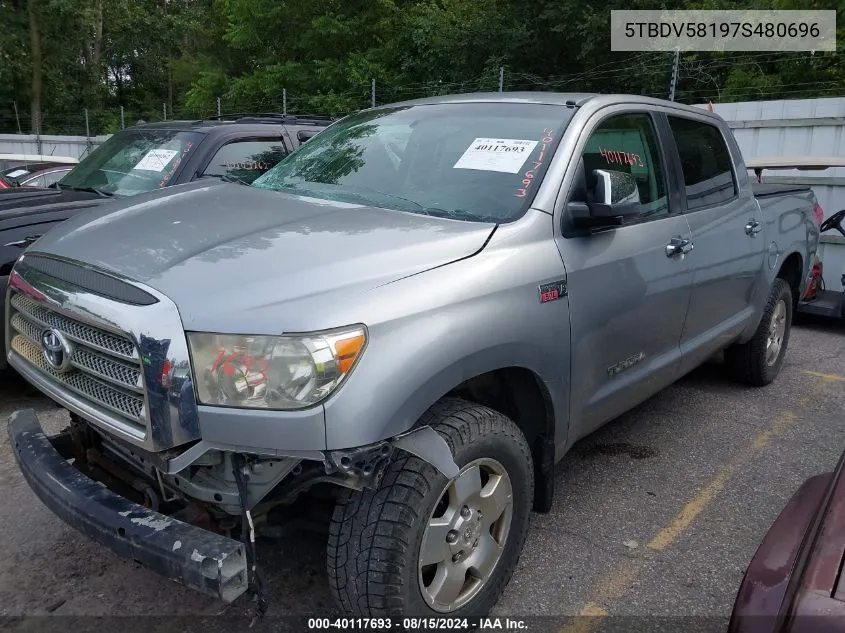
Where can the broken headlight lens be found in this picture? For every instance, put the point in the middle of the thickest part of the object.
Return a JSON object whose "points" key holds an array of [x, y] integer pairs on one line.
{"points": [[272, 372]]}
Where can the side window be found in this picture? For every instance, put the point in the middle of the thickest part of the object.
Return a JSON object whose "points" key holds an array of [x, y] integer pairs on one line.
{"points": [[38, 181], [628, 143], [54, 176], [246, 160], [705, 161]]}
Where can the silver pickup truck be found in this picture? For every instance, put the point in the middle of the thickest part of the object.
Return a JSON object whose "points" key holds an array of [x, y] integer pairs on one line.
{"points": [[412, 317]]}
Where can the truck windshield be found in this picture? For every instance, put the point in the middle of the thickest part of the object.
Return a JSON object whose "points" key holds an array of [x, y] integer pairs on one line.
{"points": [[468, 161], [132, 162]]}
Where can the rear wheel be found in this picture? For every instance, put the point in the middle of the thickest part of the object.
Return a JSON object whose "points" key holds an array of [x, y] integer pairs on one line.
{"points": [[758, 361], [424, 545]]}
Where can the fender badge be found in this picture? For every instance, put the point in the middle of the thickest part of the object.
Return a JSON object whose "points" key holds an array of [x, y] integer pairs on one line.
{"points": [[553, 290], [625, 364]]}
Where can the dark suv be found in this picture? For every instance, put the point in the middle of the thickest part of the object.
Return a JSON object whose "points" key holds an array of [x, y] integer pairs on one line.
{"points": [[144, 158]]}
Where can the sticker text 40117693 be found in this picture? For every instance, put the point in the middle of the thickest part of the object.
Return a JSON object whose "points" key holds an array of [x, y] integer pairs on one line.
{"points": [[528, 176]]}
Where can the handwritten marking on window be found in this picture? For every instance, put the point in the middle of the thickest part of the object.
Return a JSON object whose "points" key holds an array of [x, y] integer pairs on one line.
{"points": [[528, 176], [175, 165], [621, 158], [251, 165]]}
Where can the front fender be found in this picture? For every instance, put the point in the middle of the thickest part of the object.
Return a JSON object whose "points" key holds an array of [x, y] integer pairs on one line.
{"points": [[455, 323], [395, 405], [404, 412]]}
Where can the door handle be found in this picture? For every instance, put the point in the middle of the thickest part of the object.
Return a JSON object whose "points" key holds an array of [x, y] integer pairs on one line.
{"points": [[678, 246], [753, 227], [24, 242]]}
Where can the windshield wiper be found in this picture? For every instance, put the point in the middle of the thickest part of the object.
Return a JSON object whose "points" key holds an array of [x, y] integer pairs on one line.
{"points": [[358, 192], [460, 214], [99, 192], [227, 178], [230, 178], [361, 192]]}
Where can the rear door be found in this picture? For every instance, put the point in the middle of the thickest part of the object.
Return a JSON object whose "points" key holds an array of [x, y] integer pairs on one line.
{"points": [[628, 296], [726, 226]]}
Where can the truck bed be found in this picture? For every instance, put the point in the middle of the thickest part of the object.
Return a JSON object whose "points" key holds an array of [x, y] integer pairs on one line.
{"points": [[766, 190]]}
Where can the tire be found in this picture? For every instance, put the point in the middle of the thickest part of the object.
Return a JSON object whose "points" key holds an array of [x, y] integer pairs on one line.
{"points": [[752, 362], [376, 536]]}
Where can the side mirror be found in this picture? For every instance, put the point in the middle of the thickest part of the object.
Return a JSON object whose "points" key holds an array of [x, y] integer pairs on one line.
{"points": [[304, 135], [615, 195]]}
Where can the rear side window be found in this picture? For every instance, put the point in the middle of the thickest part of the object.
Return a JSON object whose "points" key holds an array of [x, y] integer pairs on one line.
{"points": [[38, 181], [246, 160], [54, 176], [705, 161]]}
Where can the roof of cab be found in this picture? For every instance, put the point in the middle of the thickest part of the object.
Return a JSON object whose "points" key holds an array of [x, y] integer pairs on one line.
{"points": [[547, 98], [259, 121], [571, 99]]}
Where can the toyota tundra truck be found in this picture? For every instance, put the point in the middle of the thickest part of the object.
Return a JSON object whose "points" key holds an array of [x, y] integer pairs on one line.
{"points": [[412, 317]]}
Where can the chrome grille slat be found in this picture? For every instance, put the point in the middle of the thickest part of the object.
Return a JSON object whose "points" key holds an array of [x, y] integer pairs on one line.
{"points": [[75, 330], [104, 368], [129, 406], [109, 369], [27, 328]]}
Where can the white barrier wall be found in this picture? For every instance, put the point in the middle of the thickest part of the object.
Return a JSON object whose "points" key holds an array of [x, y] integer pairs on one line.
{"points": [[73, 146]]}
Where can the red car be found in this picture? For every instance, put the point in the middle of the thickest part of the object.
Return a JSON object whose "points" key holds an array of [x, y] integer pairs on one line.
{"points": [[41, 174], [794, 583]]}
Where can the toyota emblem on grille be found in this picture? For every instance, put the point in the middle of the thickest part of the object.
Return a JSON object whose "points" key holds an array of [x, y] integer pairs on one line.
{"points": [[56, 349]]}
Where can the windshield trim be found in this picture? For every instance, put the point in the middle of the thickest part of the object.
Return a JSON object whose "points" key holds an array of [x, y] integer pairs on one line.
{"points": [[535, 183]]}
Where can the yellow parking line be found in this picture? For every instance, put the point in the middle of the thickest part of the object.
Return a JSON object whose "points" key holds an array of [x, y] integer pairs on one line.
{"points": [[593, 609], [827, 377], [692, 509], [588, 619], [616, 584]]}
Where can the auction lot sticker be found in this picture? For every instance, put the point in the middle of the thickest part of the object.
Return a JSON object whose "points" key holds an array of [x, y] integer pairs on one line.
{"points": [[156, 160], [496, 154]]}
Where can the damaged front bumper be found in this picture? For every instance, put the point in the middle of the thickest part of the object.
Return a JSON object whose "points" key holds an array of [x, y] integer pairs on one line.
{"points": [[199, 559]]}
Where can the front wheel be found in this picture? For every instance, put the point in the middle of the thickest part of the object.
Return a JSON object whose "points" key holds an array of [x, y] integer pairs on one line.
{"points": [[758, 361], [424, 545]]}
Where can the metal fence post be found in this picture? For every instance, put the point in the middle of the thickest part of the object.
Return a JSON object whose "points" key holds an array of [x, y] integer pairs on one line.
{"points": [[164, 110], [88, 144], [675, 66], [218, 106], [373, 93], [122, 123], [284, 101], [17, 117], [501, 78], [37, 118]]}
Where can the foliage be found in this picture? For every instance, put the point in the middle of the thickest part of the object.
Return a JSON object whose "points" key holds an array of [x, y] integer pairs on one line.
{"points": [[177, 57]]}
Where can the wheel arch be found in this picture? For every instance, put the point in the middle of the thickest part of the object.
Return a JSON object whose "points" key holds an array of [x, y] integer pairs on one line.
{"points": [[791, 271], [521, 395]]}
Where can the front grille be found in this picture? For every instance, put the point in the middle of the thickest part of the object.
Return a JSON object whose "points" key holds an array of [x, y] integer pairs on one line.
{"points": [[74, 330], [105, 369]]}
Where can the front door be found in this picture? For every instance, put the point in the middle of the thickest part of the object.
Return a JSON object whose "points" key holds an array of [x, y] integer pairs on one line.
{"points": [[628, 294]]}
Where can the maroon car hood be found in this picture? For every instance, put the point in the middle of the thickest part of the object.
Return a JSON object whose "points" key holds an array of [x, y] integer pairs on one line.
{"points": [[791, 584], [819, 593]]}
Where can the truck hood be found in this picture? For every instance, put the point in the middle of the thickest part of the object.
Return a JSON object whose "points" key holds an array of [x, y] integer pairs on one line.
{"points": [[226, 253]]}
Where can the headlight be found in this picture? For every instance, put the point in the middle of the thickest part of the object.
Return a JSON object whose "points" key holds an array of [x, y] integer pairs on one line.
{"points": [[272, 372]]}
